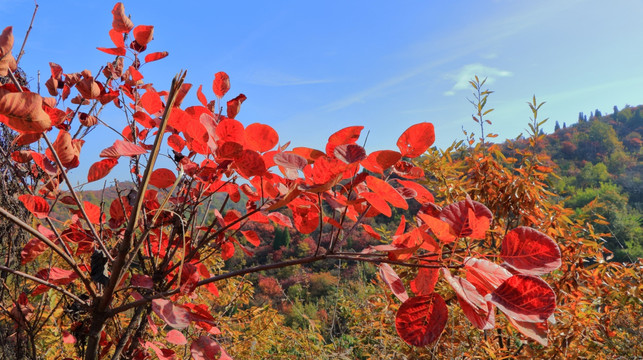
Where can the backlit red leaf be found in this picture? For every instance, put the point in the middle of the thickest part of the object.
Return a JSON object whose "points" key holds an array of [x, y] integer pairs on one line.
{"points": [[123, 148], [280, 219], [261, 137], [530, 251], [533, 330], [348, 135], [393, 281], [173, 315], [416, 140], [423, 195], [234, 106], [467, 218], [252, 237], [100, 169], [369, 230], [230, 130], [290, 160], [176, 142], [424, 282], [117, 39], [156, 56], [421, 319], [162, 178], [377, 202], [250, 163], [23, 112], [151, 102], [204, 348], [143, 34], [36, 205], [485, 275], [31, 250], [524, 298], [113, 51], [378, 161], [386, 191], [221, 84], [121, 22]]}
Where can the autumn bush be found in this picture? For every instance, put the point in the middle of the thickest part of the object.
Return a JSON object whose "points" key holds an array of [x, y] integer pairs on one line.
{"points": [[159, 271]]}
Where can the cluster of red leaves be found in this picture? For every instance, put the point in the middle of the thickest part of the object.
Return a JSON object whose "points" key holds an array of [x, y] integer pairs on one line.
{"points": [[214, 150]]}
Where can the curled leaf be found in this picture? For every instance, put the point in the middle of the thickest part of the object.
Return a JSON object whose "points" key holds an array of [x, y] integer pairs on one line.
{"points": [[121, 22], [221, 84]]}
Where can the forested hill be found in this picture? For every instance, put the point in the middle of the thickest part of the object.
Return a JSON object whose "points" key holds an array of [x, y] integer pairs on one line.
{"points": [[600, 166]]}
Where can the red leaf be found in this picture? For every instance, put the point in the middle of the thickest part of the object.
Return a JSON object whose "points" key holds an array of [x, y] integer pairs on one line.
{"points": [[386, 191], [378, 161], [57, 276], [221, 84], [100, 169], [250, 164], [349, 153], [369, 230], [290, 160], [176, 337], [123, 148], [68, 338], [234, 106], [113, 51], [423, 195], [421, 319], [533, 330], [393, 281], [176, 142], [162, 178], [189, 278], [36, 205], [117, 39], [348, 135], [306, 217], [92, 211], [467, 218], [439, 228], [485, 275], [173, 315], [416, 140], [143, 34], [530, 251], [121, 22], [230, 130], [280, 219], [475, 307], [424, 282], [32, 249], [524, 298], [204, 348], [23, 112], [151, 101], [227, 250], [309, 154], [377, 202], [156, 56], [201, 97], [261, 137], [252, 237], [143, 281]]}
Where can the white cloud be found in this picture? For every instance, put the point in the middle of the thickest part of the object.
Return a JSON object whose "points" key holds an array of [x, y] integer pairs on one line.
{"points": [[468, 72]]}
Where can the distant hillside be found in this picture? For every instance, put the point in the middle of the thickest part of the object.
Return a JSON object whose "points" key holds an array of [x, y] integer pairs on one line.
{"points": [[600, 164]]}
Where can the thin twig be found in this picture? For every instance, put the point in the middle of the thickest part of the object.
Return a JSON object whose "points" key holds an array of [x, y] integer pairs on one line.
{"points": [[43, 282], [22, 48]]}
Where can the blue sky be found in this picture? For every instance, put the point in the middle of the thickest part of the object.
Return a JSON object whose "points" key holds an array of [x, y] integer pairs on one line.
{"points": [[311, 68]]}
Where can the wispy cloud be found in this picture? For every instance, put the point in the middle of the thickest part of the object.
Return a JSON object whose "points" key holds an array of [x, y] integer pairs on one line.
{"points": [[276, 78], [469, 71]]}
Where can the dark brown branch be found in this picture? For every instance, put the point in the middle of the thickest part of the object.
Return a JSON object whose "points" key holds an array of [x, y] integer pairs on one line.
{"points": [[43, 282]]}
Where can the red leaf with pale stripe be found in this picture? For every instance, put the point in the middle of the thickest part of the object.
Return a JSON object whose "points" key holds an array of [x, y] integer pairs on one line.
{"points": [[123, 148], [162, 178], [393, 281], [416, 140], [530, 251], [36, 205], [386, 191], [421, 319], [280, 219], [221, 84], [524, 298], [485, 275], [173, 315], [100, 169], [156, 56], [475, 307], [261, 137], [535, 331]]}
